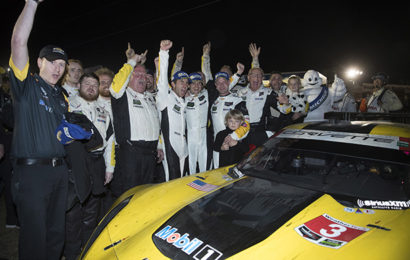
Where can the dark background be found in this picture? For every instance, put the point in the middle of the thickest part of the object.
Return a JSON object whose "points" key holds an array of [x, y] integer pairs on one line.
{"points": [[326, 36]]}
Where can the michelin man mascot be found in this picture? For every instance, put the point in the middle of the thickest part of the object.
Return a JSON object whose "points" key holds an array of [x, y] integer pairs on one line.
{"points": [[319, 96]]}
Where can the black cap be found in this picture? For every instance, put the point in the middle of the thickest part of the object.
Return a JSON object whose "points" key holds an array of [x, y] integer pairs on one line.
{"points": [[52, 53]]}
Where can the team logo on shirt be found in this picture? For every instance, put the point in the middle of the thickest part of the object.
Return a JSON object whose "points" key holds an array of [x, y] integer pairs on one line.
{"points": [[136, 103], [177, 109], [190, 105]]}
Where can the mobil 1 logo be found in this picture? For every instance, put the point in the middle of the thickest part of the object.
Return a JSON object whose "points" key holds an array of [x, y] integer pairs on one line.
{"points": [[176, 242]]}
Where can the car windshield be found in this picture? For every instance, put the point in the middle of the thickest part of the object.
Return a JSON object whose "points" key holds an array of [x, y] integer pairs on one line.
{"points": [[339, 169]]}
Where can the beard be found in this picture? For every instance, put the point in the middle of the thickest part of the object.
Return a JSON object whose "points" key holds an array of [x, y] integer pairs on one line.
{"points": [[88, 96], [105, 92]]}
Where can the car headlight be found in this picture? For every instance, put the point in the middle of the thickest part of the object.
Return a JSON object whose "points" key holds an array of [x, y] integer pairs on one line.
{"points": [[104, 223]]}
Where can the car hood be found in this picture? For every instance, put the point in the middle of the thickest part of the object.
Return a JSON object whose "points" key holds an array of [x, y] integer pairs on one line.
{"points": [[211, 216]]}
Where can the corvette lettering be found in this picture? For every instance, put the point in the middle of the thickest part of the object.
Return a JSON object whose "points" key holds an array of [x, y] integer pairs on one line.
{"points": [[390, 142], [187, 244]]}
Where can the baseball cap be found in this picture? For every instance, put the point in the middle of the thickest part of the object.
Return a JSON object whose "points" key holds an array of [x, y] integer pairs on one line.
{"points": [[180, 75], [221, 74], [381, 75], [67, 132], [52, 53], [195, 76]]}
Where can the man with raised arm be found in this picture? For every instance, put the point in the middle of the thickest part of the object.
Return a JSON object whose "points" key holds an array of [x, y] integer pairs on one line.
{"points": [[39, 182], [171, 105]]}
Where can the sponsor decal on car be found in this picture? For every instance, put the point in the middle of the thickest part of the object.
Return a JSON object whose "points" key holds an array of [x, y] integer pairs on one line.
{"points": [[359, 211], [202, 186], [188, 245], [329, 232], [383, 204], [391, 142]]}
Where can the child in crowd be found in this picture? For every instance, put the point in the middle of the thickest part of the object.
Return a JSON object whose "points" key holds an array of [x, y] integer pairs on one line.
{"points": [[230, 151], [297, 100]]}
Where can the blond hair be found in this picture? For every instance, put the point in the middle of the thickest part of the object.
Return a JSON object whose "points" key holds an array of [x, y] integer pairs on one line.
{"points": [[235, 114]]}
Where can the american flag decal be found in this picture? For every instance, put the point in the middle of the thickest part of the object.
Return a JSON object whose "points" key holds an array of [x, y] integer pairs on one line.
{"points": [[202, 186]]}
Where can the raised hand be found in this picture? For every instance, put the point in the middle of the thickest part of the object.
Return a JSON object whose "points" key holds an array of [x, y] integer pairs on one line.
{"points": [[180, 55], [165, 45], [143, 57], [240, 68], [206, 49], [129, 52], [254, 50]]}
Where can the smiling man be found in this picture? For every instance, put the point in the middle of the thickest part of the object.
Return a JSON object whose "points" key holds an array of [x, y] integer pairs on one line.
{"points": [[39, 182]]}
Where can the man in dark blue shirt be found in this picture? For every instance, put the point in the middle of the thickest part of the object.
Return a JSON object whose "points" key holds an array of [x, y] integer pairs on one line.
{"points": [[39, 182]]}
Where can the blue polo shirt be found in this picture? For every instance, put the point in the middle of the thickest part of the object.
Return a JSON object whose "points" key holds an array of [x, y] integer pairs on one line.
{"points": [[38, 110]]}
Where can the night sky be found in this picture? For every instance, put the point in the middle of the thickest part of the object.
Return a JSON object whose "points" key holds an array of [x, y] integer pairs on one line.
{"points": [[329, 36]]}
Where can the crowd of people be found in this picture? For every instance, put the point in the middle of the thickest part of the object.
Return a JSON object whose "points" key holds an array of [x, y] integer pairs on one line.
{"points": [[78, 145]]}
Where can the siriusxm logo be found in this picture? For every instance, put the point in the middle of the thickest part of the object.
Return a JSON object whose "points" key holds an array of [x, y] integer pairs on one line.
{"points": [[183, 242], [386, 204]]}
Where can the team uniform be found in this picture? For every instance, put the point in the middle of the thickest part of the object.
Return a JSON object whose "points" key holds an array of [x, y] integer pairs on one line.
{"points": [[383, 100], [173, 123], [40, 175], [137, 130], [219, 108], [83, 218], [71, 91], [197, 120], [257, 104], [346, 104]]}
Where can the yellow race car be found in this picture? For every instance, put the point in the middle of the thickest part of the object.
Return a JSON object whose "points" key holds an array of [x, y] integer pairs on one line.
{"points": [[312, 191]]}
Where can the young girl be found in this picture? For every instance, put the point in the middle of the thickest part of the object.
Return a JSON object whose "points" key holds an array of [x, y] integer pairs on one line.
{"points": [[230, 151], [297, 100]]}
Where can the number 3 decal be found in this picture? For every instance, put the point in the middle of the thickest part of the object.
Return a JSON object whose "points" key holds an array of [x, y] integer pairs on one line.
{"points": [[334, 232]]}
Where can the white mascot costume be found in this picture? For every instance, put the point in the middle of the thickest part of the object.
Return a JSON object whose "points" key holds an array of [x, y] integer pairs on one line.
{"points": [[319, 96]]}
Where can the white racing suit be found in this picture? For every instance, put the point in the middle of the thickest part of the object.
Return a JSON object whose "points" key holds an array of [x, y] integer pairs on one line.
{"points": [[197, 120], [383, 100], [102, 121], [346, 104], [173, 125], [219, 108]]}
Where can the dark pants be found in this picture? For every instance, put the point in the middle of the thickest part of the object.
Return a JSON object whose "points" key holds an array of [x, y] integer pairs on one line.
{"points": [[137, 162], [82, 218], [80, 223], [40, 193]]}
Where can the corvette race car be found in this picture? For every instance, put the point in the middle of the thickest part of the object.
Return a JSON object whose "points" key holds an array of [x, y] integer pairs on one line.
{"points": [[312, 191]]}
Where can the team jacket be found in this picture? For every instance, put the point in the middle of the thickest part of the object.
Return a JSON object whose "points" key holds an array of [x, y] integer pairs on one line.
{"points": [[346, 104], [389, 101], [221, 106], [71, 91], [255, 103], [101, 120], [38, 110], [172, 109], [197, 119], [136, 114]]}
